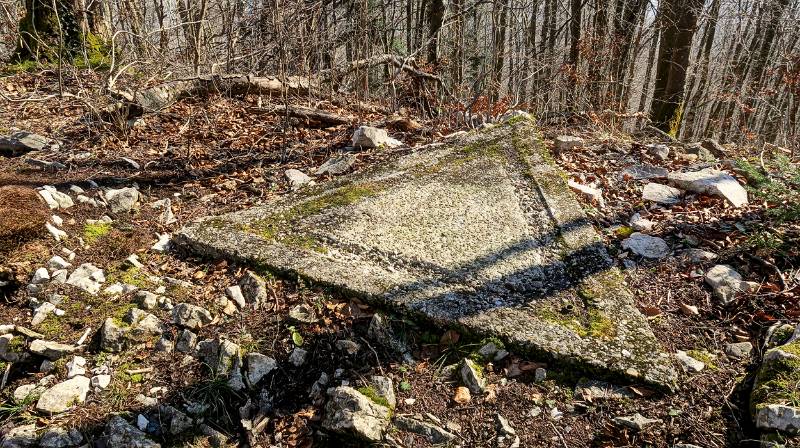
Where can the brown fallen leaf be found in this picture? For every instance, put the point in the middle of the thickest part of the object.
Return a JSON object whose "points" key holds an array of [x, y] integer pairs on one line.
{"points": [[651, 311], [462, 395], [689, 310]]}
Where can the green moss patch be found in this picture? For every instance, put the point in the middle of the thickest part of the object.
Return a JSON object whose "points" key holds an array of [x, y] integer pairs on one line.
{"points": [[94, 231], [778, 381], [279, 227], [374, 396]]}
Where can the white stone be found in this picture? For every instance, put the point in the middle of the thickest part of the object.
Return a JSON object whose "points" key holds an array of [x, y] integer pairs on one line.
{"points": [[142, 422], [370, 137], [640, 224], [646, 246], [567, 142], [162, 245], [41, 276], [337, 164], [101, 381], [298, 357], [77, 366], [689, 364], [661, 194], [726, 283], [235, 293], [779, 417], [61, 200], [20, 437], [122, 200], [593, 195], [48, 199], [57, 220], [658, 150], [712, 182], [42, 311], [63, 395], [57, 262], [87, 277], [297, 178], [76, 189], [56, 232]]}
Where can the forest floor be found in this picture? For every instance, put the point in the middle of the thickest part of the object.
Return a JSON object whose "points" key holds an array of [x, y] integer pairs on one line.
{"points": [[219, 154]]}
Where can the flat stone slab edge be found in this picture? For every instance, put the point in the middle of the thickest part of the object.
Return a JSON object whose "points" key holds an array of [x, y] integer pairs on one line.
{"points": [[480, 233]]}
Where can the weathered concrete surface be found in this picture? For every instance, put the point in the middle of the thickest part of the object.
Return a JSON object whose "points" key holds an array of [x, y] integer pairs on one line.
{"points": [[480, 234]]}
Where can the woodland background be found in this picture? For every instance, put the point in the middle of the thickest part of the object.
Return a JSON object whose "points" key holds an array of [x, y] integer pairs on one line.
{"points": [[727, 69]]}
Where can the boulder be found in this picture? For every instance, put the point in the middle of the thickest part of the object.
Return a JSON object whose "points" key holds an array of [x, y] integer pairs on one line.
{"points": [[21, 142], [259, 366], [113, 336], [122, 200], [591, 194], [727, 283], [87, 277], [661, 194], [370, 137], [254, 289], [58, 437], [642, 172], [23, 436], [646, 246], [774, 400], [711, 182], [567, 142], [348, 411], [338, 164], [191, 316], [296, 178], [50, 349], [64, 395], [121, 434], [472, 376], [432, 433]]}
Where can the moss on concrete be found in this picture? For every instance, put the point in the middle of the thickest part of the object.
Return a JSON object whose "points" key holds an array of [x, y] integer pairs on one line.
{"points": [[778, 380]]}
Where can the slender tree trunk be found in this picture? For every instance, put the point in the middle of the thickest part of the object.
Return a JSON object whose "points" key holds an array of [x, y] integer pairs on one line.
{"points": [[678, 22], [435, 18]]}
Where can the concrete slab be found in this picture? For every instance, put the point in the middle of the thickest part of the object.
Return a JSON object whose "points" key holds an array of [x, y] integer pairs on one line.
{"points": [[481, 234]]}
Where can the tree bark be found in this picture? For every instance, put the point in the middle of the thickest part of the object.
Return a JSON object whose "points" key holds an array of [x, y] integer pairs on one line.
{"points": [[678, 22]]}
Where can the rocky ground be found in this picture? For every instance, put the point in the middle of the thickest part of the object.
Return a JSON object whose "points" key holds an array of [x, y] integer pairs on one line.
{"points": [[112, 337]]}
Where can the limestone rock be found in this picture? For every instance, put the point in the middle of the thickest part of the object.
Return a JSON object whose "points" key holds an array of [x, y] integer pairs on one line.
{"points": [[711, 182], [593, 195], [113, 336], [121, 434], [432, 433], [598, 391], [636, 422], [690, 364], [20, 437], [186, 342], [370, 137], [191, 316], [58, 437], [644, 172], [661, 194], [640, 224], [567, 142], [21, 142], [303, 313], [296, 178], [726, 283], [779, 417], [235, 294], [384, 387], [338, 164], [646, 246], [218, 354], [259, 366], [350, 412], [658, 150], [122, 200], [471, 376], [739, 350], [64, 395], [50, 349], [298, 357], [254, 289], [175, 420], [87, 277]]}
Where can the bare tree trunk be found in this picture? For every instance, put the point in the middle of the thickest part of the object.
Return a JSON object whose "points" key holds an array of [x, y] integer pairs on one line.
{"points": [[435, 18], [677, 22]]}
